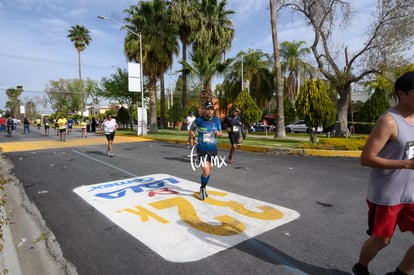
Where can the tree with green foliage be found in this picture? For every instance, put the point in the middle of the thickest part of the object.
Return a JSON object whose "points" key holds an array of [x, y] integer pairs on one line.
{"points": [[115, 88], [250, 112], [80, 36], [375, 106], [257, 70], [13, 102], [64, 94], [152, 19], [183, 16], [386, 39], [123, 117], [176, 113], [291, 54], [212, 38], [314, 106]]}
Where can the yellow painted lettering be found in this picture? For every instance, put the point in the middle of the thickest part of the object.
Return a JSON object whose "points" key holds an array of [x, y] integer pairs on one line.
{"points": [[228, 225], [267, 212], [145, 214]]}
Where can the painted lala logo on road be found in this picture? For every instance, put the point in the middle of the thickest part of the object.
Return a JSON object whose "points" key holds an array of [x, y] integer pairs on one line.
{"points": [[164, 213]]}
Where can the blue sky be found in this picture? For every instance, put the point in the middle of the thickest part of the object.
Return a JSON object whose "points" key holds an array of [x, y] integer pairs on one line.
{"points": [[34, 48]]}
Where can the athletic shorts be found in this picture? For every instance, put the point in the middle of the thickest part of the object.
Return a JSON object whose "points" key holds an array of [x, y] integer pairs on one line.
{"points": [[234, 137], [382, 219], [206, 155], [110, 136], [62, 130]]}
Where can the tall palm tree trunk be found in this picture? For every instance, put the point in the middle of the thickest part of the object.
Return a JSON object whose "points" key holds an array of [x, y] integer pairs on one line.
{"points": [[80, 83], [184, 78], [280, 129]]}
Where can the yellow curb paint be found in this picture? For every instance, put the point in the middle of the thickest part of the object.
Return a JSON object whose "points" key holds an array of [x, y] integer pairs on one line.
{"points": [[31, 145]]}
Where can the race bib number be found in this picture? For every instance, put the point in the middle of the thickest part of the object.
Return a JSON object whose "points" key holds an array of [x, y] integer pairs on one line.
{"points": [[409, 149], [110, 130], [235, 128], [208, 137]]}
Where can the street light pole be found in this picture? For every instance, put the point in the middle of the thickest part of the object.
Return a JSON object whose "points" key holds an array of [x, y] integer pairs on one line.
{"points": [[242, 71], [140, 57], [242, 80]]}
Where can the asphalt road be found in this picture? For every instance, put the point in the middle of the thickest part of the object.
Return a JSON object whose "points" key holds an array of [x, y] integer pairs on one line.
{"points": [[327, 192]]}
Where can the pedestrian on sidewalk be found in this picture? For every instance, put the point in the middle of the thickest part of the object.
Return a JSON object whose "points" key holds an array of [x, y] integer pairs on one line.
{"points": [[206, 128], [389, 151], [110, 126]]}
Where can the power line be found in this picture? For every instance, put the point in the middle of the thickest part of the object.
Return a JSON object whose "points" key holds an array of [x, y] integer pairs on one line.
{"points": [[50, 61]]}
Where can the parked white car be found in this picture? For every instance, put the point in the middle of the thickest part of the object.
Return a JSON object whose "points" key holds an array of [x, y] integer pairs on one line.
{"points": [[300, 127]]}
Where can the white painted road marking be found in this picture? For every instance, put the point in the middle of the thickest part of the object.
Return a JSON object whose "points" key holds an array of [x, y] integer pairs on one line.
{"points": [[164, 212]]}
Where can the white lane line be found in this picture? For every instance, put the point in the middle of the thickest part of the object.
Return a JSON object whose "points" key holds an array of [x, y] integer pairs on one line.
{"points": [[105, 163]]}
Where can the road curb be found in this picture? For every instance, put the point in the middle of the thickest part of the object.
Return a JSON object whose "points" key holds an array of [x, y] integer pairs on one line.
{"points": [[280, 151]]}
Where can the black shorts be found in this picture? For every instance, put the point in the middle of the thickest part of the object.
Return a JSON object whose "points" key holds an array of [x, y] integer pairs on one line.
{"points": [[62, 130], [207, 154], [234, 137], [110, 136]]}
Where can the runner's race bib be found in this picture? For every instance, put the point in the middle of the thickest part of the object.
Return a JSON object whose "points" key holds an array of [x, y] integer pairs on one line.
{"points": [[235, 128], [208, 137]]}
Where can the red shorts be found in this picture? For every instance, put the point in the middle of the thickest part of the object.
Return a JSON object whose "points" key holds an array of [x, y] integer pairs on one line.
{"points": [[383, 219]]}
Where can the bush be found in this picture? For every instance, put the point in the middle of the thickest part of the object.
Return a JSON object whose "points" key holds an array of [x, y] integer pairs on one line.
{"points": [[337, 143]]}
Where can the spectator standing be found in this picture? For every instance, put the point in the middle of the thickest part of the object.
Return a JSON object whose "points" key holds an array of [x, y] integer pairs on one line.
{"points": [[93, 125], [206, 128], [2, 124], [389, 151], [15, 122], [26, 125], [88, 125], [110, 126]]}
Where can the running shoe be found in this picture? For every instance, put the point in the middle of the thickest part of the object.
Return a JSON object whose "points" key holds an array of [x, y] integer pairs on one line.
{"points": [[230, 160], [203, 193], [358, 269]]}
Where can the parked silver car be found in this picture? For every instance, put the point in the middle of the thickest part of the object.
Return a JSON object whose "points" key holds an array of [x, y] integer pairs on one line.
{"points": [[300, 127]]}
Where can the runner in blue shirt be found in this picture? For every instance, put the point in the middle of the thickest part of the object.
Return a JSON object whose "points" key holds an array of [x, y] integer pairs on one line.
{"points": [[208, 128]]}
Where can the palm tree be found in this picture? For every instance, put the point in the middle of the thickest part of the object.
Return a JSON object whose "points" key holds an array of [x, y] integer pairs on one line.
{"points": [[183, 16], [81, 38], [159, 43], [13, 102], [257, 69], [291, 54], [213, 36], [204, 65]]}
